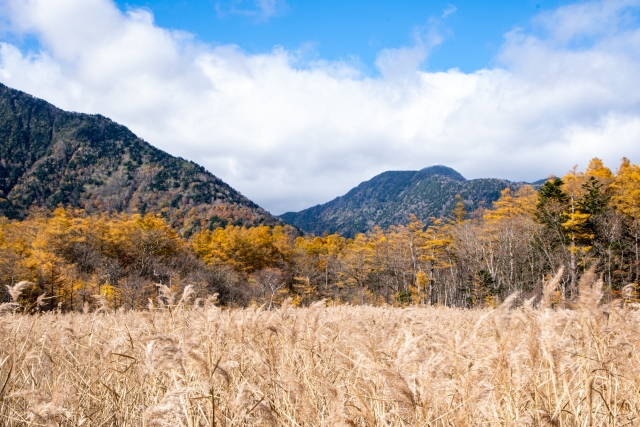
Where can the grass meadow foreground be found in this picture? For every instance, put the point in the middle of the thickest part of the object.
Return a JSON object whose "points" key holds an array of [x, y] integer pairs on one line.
{"points": [[194, 364]]}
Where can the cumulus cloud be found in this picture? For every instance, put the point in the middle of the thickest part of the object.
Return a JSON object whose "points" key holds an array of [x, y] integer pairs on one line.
{"points": [[405, 61], [290, 134]]}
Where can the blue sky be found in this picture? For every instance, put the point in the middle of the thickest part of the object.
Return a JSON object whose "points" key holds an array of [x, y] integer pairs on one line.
{"points": [[294, 103], [355, 30]]}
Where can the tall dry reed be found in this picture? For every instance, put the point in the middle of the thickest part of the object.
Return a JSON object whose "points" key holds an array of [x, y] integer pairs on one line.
{"points": [[193, 364]]}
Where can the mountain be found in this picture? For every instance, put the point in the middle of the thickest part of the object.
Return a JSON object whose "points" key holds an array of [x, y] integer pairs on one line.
{"points": [[51, 157], [389, 198]]}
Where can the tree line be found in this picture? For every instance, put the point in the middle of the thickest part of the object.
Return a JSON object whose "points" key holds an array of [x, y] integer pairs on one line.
{"points": [[71, 260]]}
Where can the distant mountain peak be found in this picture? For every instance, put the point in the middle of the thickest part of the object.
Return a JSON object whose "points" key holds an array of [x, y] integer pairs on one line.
{"points": [[441, 170], [391, 197]]}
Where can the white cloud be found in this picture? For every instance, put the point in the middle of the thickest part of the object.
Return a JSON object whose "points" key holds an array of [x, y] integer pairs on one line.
{"points": [[406, 61], [588, 19], [450, 10], [261, 10], [290, 136]]}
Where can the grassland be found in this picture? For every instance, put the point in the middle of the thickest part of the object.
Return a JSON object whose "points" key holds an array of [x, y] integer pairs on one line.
{"points": [[190, 363]]}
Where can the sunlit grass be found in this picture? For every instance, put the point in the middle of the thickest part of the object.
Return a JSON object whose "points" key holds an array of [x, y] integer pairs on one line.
{"points": [[193, 364]]}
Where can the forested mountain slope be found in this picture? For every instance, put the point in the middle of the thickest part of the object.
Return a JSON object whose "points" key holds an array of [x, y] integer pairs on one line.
{"points": [[50, 157], [389, 198]]}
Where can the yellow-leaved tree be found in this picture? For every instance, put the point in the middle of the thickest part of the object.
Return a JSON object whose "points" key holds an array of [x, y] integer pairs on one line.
{"points": [[436, 253], [626, 199]]}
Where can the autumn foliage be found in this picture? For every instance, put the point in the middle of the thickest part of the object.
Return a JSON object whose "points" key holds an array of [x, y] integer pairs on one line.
{"points": [[470, 259]]}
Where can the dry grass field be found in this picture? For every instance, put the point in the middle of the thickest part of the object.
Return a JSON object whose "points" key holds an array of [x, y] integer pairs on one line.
{"points": [[193, 364]]}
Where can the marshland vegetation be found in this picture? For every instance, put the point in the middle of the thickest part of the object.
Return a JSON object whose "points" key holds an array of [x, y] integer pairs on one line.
{"points": [[184, 362]]}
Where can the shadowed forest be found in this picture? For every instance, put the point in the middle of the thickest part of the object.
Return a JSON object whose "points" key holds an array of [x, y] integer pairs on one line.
{"points": [[70, 260]]}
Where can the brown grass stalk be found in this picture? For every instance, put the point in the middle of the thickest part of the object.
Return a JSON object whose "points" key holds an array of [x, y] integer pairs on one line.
{"points": [[197, 365]]}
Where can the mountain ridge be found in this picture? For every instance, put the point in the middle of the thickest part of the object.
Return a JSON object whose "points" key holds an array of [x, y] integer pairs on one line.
{"points": [[51, 157], [390, 197]]}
